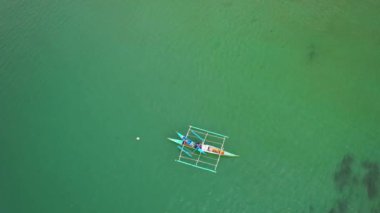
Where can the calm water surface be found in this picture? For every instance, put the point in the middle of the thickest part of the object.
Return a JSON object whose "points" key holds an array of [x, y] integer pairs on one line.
{"points": [[294, 84]]}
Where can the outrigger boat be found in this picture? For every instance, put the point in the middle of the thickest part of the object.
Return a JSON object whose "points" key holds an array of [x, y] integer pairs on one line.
{"points": [[201, 158]]}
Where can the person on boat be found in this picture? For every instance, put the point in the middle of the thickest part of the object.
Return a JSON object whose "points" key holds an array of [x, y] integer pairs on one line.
{"points": [[198, 146], [185, 142]]}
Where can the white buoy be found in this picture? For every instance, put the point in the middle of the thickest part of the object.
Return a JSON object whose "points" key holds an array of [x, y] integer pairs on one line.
{"points": [[137, 138]]}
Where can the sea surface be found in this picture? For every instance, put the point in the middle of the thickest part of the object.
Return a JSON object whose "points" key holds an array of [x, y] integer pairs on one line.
{"points": [[294, 84]]}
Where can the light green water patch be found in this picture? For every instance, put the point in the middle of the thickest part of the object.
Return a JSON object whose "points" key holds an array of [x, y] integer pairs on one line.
{"points": [[293, 84]]}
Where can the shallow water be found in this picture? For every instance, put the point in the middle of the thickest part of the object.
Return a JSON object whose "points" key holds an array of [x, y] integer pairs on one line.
{"points": [[295, 85]]}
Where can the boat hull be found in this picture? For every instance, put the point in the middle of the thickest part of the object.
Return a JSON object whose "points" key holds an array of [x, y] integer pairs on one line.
{"points": [[207, 148]]}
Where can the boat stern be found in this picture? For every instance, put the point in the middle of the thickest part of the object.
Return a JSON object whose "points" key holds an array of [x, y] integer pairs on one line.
{"points": [[228, 154]]}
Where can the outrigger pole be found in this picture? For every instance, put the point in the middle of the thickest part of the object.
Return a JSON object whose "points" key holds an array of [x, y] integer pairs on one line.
{"points": [[210, 170], [203, 142], [222, 148], [209, 162], [214, 133], [183, 145]]}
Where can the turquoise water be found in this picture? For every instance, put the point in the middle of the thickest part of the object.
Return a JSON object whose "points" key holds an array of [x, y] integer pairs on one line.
{"points": [[295, 85]]}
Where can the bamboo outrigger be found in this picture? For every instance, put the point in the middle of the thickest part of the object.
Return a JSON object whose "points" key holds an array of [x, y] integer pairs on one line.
{"points": [[203, 147]]}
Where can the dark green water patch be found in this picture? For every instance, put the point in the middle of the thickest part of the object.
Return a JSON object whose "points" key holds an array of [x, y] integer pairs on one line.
{"points": [[341, 206], [357, 185], [371, 178], [343, 176], [311, 53]]}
